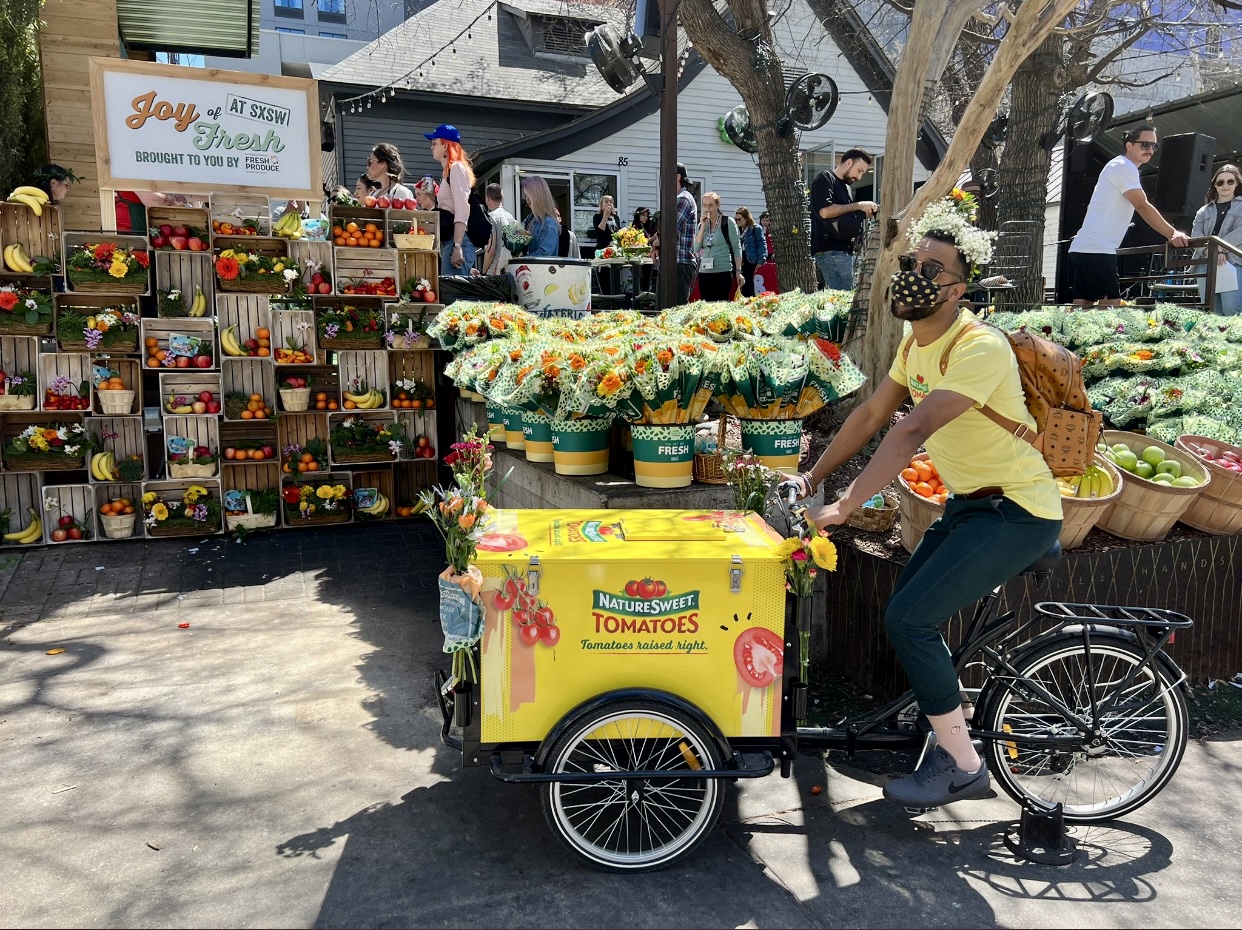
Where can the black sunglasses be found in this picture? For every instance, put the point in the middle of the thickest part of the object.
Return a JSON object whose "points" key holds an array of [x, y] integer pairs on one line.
{"points": [[1149, 146], [1225, 182], [929, 269]]}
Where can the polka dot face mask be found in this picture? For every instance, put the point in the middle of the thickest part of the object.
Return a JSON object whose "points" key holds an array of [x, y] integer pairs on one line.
{"points": [[911, 296]]}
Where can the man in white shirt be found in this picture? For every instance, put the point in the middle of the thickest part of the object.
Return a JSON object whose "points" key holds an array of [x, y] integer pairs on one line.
{"points": [[1117, 194], [497, 257]]}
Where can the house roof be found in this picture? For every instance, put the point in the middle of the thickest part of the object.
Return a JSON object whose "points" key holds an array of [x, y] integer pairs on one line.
{"points": [[1217, 114], [495, 61]]}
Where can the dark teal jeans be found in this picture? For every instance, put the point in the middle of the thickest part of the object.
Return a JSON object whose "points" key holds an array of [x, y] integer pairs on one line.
{"points": [[975, 546]]}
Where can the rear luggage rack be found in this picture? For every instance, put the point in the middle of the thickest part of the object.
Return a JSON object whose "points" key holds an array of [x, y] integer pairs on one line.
{"points": [[1124, 616]]}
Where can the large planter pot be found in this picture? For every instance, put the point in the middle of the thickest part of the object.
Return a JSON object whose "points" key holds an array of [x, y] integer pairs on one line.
{"points": [[495, 423], [777, 443], [663, 455], [515, 437], [580, 447], [537, 435]]}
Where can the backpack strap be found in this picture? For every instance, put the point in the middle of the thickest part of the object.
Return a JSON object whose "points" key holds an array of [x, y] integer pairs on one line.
{"points": [[1013, 427]]}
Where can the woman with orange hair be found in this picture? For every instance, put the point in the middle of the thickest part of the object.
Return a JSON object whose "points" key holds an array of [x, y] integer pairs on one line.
{"points": [[457, 255]]}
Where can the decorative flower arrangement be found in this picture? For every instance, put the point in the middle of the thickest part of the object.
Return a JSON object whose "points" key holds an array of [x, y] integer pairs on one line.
{"points": [[632, 241], [408, 330], [127, 468], [802, 556], [470, 461], [315, 278], [238, 270], [310, 457], [412, 394], [325, 503], [956, 215], [108, 329], [25, 310], [188, 459], [750, 479], [517, 238], [170, 303], [66, 394], [107, 263], [196, 511], [53, 446], [17, 391], [355, 439], [350, 326]]}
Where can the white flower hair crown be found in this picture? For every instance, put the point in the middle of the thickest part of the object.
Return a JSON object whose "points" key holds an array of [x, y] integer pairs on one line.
{"points": [[954, 216]]}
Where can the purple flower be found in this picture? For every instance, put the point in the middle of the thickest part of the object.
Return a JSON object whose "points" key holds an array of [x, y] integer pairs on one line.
{"points": [[93, 338], [330, 331], [199, 512]]}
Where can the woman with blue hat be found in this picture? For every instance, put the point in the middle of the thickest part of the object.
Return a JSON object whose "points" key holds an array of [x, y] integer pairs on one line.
{"points": [[457, 254]]}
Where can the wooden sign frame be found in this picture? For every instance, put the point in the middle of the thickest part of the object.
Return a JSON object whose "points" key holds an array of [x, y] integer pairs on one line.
{"points": [[194, 181]]}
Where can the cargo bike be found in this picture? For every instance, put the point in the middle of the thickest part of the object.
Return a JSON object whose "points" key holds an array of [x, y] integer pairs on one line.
{"points": [[632, 662]]}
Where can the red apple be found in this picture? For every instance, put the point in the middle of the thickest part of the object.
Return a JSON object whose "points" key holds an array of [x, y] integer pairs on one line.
{"points": [[202, 361], [177, 242], [182, 362], [180, 231], [74, 532], [316, 279], [59, 535], [230, 452], [206, 396], [166, 230], [325, 287], [383, 203], [251, 344], [213, 407], [269, 451], [198, 407], [368, 201], [158, 242], [65, 521], [196, 244]]}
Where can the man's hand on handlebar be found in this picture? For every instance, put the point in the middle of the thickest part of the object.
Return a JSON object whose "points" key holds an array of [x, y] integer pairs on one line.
{"points": [[794, 488], [827, 515]]}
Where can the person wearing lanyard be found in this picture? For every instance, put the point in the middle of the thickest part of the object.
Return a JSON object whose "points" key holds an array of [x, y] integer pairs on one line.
{"points": [[719, 246], [1221, 216]]}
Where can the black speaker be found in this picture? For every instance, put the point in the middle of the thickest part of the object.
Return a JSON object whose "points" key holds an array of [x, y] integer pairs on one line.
{"points": [[1185, 172]]}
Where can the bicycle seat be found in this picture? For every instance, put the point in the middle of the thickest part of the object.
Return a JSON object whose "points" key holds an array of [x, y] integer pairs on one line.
{"points": [[1046, 562]]}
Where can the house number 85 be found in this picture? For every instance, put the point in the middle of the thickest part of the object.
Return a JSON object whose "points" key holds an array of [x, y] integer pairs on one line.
{"points": [[623, 162]]}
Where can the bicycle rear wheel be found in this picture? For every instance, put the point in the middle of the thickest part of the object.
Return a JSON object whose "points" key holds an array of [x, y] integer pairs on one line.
{"points": [[1140, 718]]}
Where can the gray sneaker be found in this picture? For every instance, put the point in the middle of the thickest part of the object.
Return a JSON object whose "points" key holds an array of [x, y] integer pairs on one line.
{"points": [[938, 781]]}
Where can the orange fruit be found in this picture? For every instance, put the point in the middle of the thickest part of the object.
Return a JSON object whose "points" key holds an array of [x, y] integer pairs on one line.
{"points": [[922, 489], [263, 333], [247, 414], [371, 227], [337, 231], [264, 352], [286, 469], [349, 405], [105, 510], [306, 457], [260, 414], [301, 466], [321, 405], [331, 405], [374, 243], [151, 342], [322, 395], [312, 466], [351, 227], [351, 240], [153, 362], [910, 475], [256, 396], [264, 342], [128, 509], [339, 240]]}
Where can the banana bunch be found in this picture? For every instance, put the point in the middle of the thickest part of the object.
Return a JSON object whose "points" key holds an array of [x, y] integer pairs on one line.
{"points": [[229, 343], [378, 509], [368, 401], [1095, 482], [31, 534], [16, 259], [289, 226], [198, 306], [103, 466], [172, 406], [32, 197]]}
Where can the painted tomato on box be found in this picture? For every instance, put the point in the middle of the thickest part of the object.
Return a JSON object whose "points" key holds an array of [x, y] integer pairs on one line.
{"points": [[579, 603]]}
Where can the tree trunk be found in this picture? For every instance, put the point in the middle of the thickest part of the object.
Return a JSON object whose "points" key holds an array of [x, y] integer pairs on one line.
{"points": [[1023, 177], [752, 65]]}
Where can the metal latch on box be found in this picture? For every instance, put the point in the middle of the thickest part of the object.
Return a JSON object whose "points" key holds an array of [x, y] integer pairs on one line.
{"points": [[532, 576], [735, 576]]}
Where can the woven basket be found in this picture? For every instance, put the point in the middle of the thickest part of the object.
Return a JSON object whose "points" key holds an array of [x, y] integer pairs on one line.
{"points": [[1218, 509], [251, 521], [176, 470], [709, 466], [421, 242], [875, 519], [115, 403], [199, 529], [361, 458], [14, 327], [88, 284], [917, 512], [295, 400], [121, 527], [369, 341], [17, 401], [127, 345], [267, 284], [296, 519], [1146, 510], [43, 461], [1081, 514]]}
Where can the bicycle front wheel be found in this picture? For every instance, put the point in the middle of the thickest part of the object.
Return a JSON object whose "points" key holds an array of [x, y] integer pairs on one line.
{"points": [[1137, 716]]}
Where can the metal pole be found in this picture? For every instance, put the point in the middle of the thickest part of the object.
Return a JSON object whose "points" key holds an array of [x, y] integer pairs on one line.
{"points": [[668, 153]]}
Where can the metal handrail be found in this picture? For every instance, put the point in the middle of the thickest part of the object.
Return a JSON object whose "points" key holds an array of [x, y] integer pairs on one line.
{"points": [[1214, 246]]}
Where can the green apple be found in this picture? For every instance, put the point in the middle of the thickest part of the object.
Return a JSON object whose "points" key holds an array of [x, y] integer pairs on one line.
{"points": [[1111, 456], [1153, 454], [1172, 466], [1121, 447], [1185, 481], [1126, 459], [1163, 477], [1144, 469]]}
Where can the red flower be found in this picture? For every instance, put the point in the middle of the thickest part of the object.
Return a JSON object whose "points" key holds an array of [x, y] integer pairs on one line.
{"points": [[799, 555], [227, 268], [291, 494], [8, 300], [830, 350], [142, 258], [103, 251]]}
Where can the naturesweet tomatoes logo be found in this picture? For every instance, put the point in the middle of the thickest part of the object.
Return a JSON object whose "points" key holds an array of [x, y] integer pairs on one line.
{"points": [[918, 388], [645, 606]]}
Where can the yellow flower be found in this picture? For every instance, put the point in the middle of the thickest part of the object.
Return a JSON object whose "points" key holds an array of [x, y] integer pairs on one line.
{"points": [[38, 442], [338, 491], [788, 547], [118, 269], [160, 512], [197, 490], [324, 492], [824, 553], [149, 498], [303, 505]]}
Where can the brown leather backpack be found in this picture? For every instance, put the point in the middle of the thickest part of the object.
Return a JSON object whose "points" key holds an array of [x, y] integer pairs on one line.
{"points": [[1066, 427]]}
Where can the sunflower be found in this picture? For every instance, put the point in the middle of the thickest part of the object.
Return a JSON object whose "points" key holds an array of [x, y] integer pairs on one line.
{"points": [[227, 268], [160, 512], [824, 553], [788, 547]]}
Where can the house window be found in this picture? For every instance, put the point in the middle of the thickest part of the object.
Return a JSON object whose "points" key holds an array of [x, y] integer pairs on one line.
{"points": [[332, 11], [332, 35], [589, 189], [566, 36], [292, 32], [292, 8]]}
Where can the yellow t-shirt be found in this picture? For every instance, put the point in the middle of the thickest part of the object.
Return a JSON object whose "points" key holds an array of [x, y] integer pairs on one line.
{"points": [[972, 452]]}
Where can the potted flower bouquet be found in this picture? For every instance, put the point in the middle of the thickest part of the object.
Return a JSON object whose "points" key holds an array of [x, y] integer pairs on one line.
{"points": [[48, 447], [317, 502], [107, 268], [194, 512], [350, 327], [355, 441], [255, 273], [25, 311], [407, 326], [109, 329], [18, 391], [631, 242]]}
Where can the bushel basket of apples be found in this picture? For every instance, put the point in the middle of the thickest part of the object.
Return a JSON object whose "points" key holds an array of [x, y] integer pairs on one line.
{"points": [[294, 394], [1161, 482], [1218, 509]]}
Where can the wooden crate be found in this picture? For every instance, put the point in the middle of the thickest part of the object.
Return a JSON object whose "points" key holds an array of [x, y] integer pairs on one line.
{"points": [[323, 379], [234, 208], [76, 366], [296, 429], [14, 423], [202, 431], [374, 417], [416, 423], [428, 223], [20, 354], [72, 240], [186, 272], [20, 493], [298, 325], [247, 436], [409, 478], [414, 265], [254, 476], [342, 216], [160, 329], [362, 370], [268, 246], [248, 312], [380, 478], [249, 376], [407, 325], [122, 436], [370, 266], [73, 500], [172, 489], [195, 219], [360, 342], [318, 251], [105, 493], [419, 366], [38, 235], [334, 476], [90, 305], [189, 385], [128, 369]]}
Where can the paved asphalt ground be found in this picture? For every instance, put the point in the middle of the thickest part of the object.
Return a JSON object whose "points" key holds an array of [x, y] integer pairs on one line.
{"points": [[276, 764]]}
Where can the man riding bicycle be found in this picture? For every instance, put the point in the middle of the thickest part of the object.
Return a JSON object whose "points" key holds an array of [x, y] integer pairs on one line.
{"points": [[1005, 508]]}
